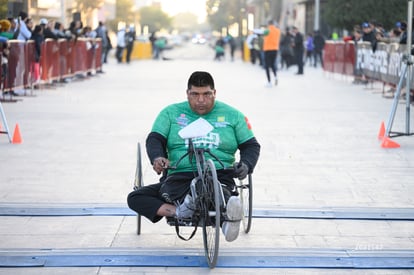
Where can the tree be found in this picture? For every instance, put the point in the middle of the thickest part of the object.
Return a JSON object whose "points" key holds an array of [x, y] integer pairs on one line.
{"points": [[185, 21], [86, 7], [345, 14], [223, 13], [154, 18], [123, 13], [3, 8]]}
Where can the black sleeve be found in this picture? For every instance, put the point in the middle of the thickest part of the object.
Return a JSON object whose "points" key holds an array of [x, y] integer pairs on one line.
{"points": [[249, 153], [156, 146]]}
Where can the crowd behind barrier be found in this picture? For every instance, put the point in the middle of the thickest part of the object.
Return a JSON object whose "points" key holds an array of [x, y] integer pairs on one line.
{"points": [[383, 65], [59, 60]]}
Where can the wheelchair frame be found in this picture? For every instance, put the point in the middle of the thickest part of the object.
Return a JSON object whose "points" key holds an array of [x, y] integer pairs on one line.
{"points": [[209, 199]]}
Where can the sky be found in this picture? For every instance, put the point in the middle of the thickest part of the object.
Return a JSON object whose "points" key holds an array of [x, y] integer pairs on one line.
{"points": [[197, 7]]}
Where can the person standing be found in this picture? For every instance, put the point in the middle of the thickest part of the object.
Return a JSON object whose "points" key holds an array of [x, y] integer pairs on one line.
{"points": [[24, 33], [286, 49], [47, 29], [38, 38], [319, 42], [309, 48], [130, 39], [251, 42], [271, 41], [298, 49], [232, 45], [101, 32], [120, 45]]}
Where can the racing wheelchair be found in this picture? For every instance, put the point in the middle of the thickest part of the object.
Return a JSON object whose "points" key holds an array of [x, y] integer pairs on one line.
{"points": [[208, 197]]}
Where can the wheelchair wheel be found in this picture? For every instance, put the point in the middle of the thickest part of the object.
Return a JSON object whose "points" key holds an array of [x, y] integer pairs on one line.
{"points": [[246, 196], [138, 182], [211, 214]]}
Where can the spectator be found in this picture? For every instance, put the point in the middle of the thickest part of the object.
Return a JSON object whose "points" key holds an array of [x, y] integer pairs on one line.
{"points": [[319, 42], [14, 28], [309, 49], [29, 24], [47, 29], [24, 32], [38, 38], [109, 46], [298, 50], [404, 35], [5, 32], [369, 35], [252, 45], [357, 38], [232, 45], [120, 45], [101, 32], [152, 39], [75, 28], [286, 49], [219, 49], [260, 51], [160, 44], [59, 31], [130, 40]]}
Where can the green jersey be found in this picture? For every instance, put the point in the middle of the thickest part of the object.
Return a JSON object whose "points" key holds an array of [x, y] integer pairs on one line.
{"points": [[230, 128]]}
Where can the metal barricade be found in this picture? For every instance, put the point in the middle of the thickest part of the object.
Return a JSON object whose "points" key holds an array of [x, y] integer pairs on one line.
{"points": [[349, 58], [50, 65], [78, 56], [16, 66]]}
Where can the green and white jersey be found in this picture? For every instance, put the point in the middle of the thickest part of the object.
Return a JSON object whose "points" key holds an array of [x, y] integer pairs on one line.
{"points": [[231, 128]]}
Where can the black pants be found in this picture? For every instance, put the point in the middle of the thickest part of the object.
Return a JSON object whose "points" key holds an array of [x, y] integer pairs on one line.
{"points": [[118, 54], [147, 200], [318, 55], [129, 49], [270, 58], [299, 61]]}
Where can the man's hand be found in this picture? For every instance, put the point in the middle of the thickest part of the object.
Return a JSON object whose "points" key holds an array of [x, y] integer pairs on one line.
{"points": [[240, 170], [159, 164]]}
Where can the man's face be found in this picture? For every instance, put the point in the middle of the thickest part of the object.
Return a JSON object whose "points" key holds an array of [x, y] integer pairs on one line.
{"points": [[201, 99]]}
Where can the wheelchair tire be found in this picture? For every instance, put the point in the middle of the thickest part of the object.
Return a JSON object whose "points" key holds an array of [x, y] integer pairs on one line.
{"points": [[246, 196], [138, 182], [211, 215]]}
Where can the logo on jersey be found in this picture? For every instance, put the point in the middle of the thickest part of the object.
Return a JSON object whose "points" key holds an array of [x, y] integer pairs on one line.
{"points": [[221, 122], [249, 126], [182, 120], [211, 141]]}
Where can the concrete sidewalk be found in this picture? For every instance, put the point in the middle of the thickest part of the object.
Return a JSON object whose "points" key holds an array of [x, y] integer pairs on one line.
{"points": [[319, 149]]}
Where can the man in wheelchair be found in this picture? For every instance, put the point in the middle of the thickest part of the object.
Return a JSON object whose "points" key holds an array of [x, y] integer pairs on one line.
{"points": [[231, 132]]}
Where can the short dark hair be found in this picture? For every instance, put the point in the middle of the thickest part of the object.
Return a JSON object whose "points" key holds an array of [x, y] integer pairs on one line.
{"points": [[200, 79]]}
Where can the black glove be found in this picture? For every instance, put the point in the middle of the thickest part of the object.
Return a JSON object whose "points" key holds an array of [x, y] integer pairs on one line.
{"points": [[240, 170]]}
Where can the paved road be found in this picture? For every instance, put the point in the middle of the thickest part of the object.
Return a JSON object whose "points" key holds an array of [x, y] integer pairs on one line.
{"points": [[319, 151]]}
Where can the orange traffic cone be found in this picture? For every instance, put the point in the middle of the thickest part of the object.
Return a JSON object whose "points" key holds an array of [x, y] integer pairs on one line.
{"points": [[17, 138], [388, 143], [381, 133]]}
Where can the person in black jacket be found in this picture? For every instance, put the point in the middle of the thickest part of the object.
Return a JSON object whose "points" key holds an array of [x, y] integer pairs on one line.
{"points": [[369, 35], [37, 37], [130, 36], [298, 49], [319, 42], [47, 30]]}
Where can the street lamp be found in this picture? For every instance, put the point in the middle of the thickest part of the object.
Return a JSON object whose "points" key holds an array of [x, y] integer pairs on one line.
{"points": [[316, 21]]}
